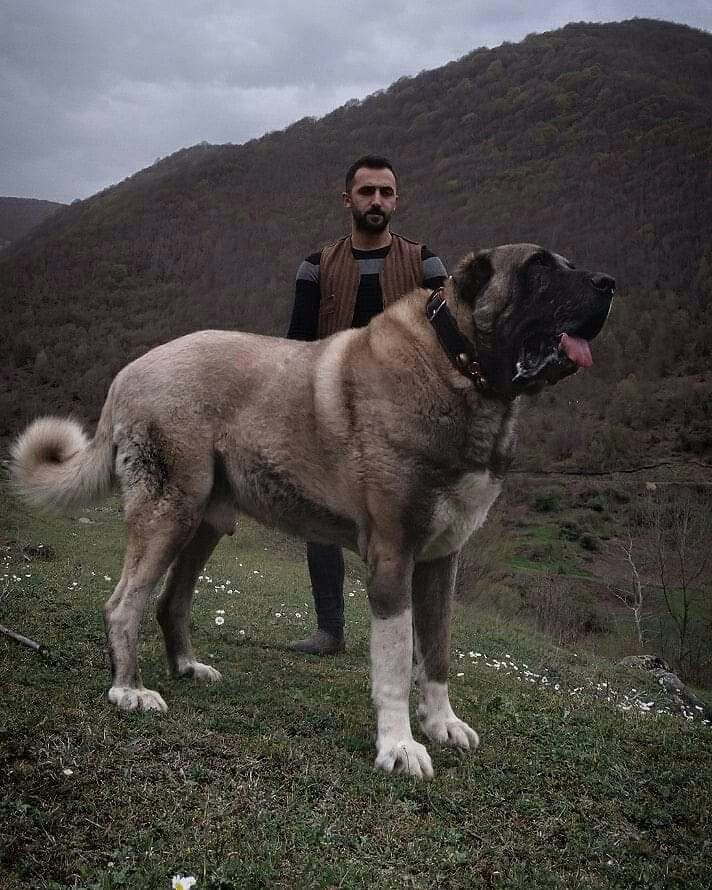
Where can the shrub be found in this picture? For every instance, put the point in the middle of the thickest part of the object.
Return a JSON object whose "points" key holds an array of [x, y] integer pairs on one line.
{"points": [[556, 612], [548, 500], [590, 542], [570, 531], [483, 560]]}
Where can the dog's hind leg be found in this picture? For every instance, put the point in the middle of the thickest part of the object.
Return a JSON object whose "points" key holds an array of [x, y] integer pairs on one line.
{"points": [[175, 601], [158, 529], [433, 586]]}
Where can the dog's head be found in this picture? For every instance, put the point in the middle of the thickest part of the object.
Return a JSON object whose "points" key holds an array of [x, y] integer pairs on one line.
{"points": [[534, 314]]}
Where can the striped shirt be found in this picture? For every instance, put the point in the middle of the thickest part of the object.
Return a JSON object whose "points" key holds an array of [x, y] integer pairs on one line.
{"points": [[369, 299]]}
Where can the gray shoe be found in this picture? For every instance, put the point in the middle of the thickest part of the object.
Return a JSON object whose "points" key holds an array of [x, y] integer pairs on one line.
{"points": [[320, 642]]}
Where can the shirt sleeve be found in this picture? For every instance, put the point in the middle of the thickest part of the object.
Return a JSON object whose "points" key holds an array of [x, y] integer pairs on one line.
{"points": [[434, 271], [304, 324]]}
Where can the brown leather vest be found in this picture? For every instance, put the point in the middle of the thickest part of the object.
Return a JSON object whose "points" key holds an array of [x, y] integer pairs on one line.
{"points": [[339, 280]]}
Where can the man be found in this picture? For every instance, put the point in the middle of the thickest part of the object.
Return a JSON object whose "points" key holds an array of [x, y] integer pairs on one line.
{"points": [[342, 286]]}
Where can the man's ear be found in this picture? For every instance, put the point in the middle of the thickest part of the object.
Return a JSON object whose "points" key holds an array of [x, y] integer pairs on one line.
{"points": [[472, 274]]}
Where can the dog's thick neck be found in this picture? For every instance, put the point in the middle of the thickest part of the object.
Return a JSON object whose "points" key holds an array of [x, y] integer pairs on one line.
{"points": [[453, 319], [459, 348]]}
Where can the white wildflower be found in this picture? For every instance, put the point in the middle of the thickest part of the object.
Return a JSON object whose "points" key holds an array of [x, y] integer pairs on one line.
{"points": [[219, 620], [179, 882]]}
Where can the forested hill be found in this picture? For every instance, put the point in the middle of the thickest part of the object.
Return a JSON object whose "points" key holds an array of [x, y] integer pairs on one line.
{"points": [[593, 140], [19, 215]]}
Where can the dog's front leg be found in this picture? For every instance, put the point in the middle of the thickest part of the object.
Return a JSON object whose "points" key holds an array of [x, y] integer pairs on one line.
{"points": [[391, 662], [433, 588]]}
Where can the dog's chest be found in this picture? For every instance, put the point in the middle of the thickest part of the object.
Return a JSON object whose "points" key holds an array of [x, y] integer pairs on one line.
{"points": [[459, 511]]}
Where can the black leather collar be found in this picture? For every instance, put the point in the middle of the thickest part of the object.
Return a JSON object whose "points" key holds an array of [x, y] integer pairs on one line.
{"points": [[461, 351]]}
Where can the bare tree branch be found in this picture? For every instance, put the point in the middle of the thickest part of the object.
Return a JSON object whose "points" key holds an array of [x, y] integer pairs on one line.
{"points": [[26, 641]]}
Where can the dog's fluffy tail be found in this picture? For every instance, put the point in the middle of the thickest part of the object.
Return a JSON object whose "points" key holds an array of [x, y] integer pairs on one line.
{"points": [[55, 466]]}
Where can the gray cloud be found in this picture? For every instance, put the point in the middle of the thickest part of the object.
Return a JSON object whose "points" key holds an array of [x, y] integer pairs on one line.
{"points": [[92, 92]]}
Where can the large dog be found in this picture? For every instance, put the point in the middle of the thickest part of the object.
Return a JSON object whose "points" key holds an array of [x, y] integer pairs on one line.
{"points": [[391, 440]]}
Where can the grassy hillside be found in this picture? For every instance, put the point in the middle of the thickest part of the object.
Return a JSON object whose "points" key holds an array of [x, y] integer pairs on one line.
{"points": [[583, 778], [592, 140]]}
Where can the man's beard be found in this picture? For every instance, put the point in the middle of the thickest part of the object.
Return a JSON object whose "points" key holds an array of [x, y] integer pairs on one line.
{"points": [[371, 221]]}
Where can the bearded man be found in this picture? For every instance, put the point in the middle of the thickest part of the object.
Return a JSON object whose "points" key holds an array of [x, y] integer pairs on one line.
{"points": [[344, 285]]}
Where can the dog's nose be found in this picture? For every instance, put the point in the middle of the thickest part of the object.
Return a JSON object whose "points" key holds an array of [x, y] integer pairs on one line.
{"points": [[604, 283]]}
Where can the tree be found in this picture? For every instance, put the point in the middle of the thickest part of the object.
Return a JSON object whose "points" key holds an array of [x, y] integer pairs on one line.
{"points": [[678, 527], [633, 597], [667, 555]]}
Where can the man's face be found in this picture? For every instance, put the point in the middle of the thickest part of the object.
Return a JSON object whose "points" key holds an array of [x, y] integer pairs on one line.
{"points": [[372, 198]]}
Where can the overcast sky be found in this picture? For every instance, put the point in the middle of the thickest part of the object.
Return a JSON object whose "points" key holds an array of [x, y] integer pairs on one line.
{"points": [[93, 91]]}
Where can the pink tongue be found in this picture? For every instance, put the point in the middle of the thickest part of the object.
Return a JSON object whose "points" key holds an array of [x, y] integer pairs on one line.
{"points": [[577, 349]]}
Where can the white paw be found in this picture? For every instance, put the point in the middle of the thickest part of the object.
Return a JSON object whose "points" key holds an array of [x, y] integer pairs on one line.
{"points": [[200, 673], [453, 732], [128, 698], [404, 756]]}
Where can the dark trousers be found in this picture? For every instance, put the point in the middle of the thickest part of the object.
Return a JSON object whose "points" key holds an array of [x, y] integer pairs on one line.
{"points": [[326, 570]]}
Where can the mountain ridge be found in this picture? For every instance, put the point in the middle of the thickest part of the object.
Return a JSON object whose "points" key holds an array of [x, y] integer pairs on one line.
{"points": [[592, 140], [19, 215]]}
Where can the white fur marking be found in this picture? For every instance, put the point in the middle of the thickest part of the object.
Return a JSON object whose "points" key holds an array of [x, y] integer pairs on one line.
{"points": [[438, 720], [129, 698], [197, 671], [459, 512], [391, 661]]}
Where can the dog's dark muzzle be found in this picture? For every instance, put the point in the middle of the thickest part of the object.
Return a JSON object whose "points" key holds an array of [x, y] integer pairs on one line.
{"points": [[604, 284]]}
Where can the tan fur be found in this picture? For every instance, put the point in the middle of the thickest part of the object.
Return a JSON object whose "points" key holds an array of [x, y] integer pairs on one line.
{"points": [[370, 439], [57, 468]]}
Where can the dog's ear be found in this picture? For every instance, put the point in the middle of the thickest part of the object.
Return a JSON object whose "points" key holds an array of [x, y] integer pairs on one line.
{"points": [[472, 274]]}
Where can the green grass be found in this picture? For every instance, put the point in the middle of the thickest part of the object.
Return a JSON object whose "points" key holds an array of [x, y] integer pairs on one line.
{"points": [[558, 531], [266, 780], [543, 548]]}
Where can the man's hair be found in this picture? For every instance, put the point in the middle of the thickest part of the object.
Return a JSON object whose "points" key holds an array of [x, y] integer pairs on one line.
{"points": [[373, 162]]}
